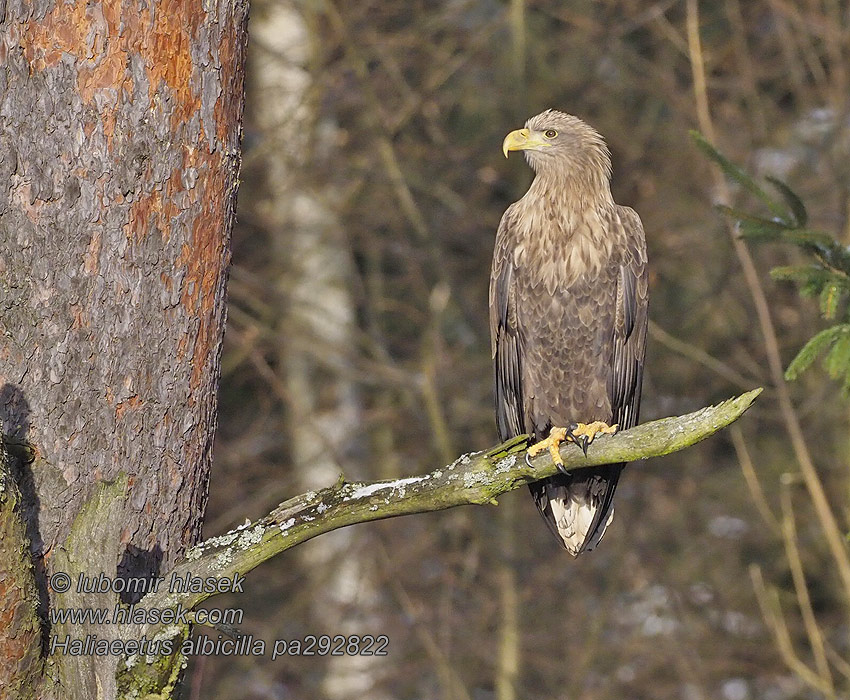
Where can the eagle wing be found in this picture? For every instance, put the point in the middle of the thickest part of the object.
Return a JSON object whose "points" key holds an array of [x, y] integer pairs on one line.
{"points": [[626, 374], [629, 346], [506, 336]]}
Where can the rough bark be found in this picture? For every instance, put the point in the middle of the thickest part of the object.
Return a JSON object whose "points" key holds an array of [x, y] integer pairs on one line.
{"points": [[119, 137]]}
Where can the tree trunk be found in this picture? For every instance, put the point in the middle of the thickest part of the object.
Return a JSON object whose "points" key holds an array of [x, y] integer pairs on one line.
{"points": [[119, 155]]}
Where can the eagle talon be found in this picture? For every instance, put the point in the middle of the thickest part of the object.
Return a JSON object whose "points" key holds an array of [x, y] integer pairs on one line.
{"points": [[582, 434], [577, 438], [564, 470]]}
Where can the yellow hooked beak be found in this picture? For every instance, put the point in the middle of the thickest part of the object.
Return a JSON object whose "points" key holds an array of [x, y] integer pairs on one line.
{"points": [[522, 140]]}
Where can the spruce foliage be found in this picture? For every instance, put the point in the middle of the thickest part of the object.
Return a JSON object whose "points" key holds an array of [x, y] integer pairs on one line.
{"points": [[826, 277]]}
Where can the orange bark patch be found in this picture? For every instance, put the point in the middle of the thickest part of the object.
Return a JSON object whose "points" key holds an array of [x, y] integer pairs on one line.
{"points": [[126, 405], [230, 89], [88, 31], [65, 29], [6, 616], [207, 260], [175, 182], [201, 356], [91, 258], [80, 315], [182, 344], [109, 73], [146, 209], [204, 258], [171, 38], [22, 196], [104, 35]]}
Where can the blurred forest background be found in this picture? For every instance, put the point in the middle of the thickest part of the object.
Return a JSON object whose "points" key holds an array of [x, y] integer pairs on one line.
{"points": [[357, 342]]}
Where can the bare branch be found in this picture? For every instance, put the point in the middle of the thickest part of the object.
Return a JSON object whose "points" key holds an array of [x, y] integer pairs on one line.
{"points": [[768, 600], [752, 480]]}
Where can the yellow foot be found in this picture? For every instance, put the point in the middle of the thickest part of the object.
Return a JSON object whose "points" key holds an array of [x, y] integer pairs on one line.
{"points": [[582, 434], [552, 443]]}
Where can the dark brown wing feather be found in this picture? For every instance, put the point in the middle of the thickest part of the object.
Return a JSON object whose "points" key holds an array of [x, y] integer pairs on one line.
{"points": [[626, 375], [506, 342]]}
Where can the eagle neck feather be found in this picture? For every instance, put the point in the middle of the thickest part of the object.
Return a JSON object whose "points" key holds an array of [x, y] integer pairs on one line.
{"points": [[566, 230]]}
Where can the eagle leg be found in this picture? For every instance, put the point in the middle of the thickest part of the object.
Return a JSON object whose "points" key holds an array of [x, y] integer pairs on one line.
{"points": [[582, 434], [552, 443]]}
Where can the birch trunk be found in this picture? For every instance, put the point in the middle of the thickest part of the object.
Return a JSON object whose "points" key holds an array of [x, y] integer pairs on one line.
{"points": [[324, 411]]}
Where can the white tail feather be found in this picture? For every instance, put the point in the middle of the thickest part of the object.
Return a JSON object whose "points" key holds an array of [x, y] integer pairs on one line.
{"points": [[573, 520]]}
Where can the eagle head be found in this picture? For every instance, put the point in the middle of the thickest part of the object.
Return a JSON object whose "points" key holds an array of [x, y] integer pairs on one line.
{"points": [[556, 143]]}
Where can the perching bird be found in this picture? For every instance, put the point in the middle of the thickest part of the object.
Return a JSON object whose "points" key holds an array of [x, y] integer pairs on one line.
{"points": [[568, 315]]}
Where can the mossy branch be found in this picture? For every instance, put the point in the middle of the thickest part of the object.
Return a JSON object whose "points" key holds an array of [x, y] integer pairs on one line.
{"points": [[475, 478]]}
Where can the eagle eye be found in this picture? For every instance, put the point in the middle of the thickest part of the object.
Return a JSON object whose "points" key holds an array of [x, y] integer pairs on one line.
{"points": [[550, 133]]}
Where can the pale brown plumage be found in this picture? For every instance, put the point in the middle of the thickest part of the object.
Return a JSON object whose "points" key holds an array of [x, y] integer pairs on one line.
{"points": [[568, 313]]}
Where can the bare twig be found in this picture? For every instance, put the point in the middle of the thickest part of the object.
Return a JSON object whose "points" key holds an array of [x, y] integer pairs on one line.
{"points": [[692, 352], [838, 661], [431, 345], [752, 479], [449, 678], [508, 656], [518, 37], [771, 611], [748, 72], [804, 601]]}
